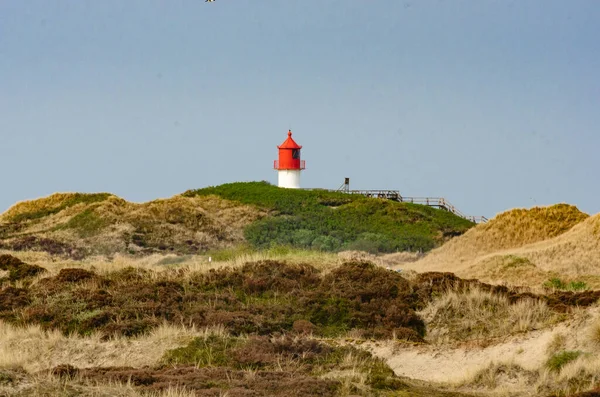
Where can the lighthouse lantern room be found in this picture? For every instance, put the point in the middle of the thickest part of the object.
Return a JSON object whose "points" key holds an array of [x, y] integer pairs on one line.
{"points": [[289, 164]]}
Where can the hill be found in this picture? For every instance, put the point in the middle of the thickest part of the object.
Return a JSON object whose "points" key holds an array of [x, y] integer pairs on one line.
{"points": [[525, 247], [78, 225], [332, 221]]}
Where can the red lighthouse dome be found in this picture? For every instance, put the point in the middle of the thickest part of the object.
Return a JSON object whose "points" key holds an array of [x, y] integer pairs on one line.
{"points": [[289, 164]]}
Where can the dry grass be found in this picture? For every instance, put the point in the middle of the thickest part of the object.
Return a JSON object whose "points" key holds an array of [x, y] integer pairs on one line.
{"points": [[511, 229], [395, 260], [558, 343], [352, 375], [594, 334], [572, 256], [479, 315], [508, 269], [527, 253], [579, 375], [568, 366], [504, 378], [35, 350], [188, 263], [45, 385]]}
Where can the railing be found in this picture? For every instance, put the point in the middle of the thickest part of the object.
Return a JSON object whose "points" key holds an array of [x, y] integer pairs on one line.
{"points": [[385, 194], [477, 219], [437, 202], [301, 166]]}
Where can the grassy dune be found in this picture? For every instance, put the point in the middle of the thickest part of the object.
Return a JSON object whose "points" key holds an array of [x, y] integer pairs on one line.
{"points": [[79, 225], [263, 216], [524, 247]]}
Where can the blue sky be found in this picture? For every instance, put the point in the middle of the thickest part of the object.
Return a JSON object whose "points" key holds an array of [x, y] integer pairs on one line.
{"points": [[491, 104]]}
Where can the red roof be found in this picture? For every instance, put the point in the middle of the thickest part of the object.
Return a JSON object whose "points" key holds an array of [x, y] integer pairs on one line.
{"points": [[289, 143]]}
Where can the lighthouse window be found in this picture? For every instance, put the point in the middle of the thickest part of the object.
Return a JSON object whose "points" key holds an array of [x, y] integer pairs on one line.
{"points": [[296, 153]]}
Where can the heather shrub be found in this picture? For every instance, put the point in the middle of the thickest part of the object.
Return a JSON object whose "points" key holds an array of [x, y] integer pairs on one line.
{"points": [[17, 269]]}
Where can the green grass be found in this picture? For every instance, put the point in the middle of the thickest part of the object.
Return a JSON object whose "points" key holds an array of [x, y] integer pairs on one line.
{"points": [[559, 360], [333, 221], [557, 283], [212, 351], [87, 223], [513, 262]]}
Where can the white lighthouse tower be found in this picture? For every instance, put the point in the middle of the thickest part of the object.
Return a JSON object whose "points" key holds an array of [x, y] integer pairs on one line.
{"points": [[289, 164]]}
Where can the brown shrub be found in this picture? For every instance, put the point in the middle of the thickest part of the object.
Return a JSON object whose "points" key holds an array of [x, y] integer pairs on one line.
{"points": [[127, 328], [271, 275], [95, 299], [357, 296], [237, 322], [53, 247], [74, 275], [362, 295], [18, 270], [591, 393], [130, 274], [307, 349], [13, 298], [65, 371], [256, 353], [563, 299], [100, 321], [365, 282], [408, 335], [303, 327]]}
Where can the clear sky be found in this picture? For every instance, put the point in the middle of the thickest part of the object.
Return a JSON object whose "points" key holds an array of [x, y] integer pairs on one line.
{"points": [[492, 104]]}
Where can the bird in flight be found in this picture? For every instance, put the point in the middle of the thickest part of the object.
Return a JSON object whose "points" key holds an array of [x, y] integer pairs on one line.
{"points": [[209, 1]]}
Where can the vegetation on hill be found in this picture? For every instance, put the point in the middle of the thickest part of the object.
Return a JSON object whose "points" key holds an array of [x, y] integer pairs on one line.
{"points": [[261, 298], [79, 225], [261, 327], [332, 221], [266, 317]]}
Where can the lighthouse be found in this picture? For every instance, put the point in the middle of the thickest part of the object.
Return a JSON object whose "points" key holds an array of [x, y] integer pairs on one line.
{"points": [[289, 164]]}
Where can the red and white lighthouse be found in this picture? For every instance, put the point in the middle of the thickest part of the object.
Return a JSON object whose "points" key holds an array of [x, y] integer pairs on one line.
{"points": [[289, 164]]}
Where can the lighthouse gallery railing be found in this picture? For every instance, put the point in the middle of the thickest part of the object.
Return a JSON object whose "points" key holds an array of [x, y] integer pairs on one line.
{"points": [[302, 165]]}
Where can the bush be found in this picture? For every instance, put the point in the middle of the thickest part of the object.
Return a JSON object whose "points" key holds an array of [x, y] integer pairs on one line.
{"points": [[303, 238], [326, 243], [17, 269], [260, 298]]}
